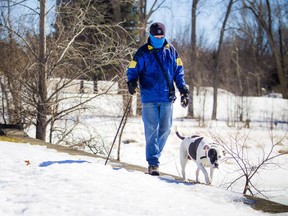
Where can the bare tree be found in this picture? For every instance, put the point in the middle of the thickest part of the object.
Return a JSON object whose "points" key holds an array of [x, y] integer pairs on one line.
{"points": [[11, 63], [238, 150], [41, 120], [217, 60], [66, 58], [262, 10], [145, 14], [193, 56]]}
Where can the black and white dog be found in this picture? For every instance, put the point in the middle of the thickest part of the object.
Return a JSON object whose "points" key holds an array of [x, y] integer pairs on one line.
{"points": [[204, 152]]}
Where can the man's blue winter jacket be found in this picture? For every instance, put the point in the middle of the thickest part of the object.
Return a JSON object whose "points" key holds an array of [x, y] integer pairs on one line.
{"points": [[145, 68]]}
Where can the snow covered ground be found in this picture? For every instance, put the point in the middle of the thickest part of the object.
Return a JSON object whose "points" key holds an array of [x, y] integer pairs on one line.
{"points": [[271, 180], [60, 184], [262, 111]]}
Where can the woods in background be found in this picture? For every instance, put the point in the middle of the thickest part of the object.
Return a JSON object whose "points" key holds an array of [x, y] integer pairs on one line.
{"points": [[94, 40]]}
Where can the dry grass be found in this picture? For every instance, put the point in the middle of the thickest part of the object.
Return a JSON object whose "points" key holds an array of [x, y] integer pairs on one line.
{"points": [[283, 151], [9, 139]]}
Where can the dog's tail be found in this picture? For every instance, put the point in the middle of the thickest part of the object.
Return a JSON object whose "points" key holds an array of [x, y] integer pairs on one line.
{"points": [[181, 137]]}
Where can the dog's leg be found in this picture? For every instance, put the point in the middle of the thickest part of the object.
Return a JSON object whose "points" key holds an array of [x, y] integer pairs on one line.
{"points": [[211, 173], [207, 179], [183, 164], [197, 174], [183, 161]]}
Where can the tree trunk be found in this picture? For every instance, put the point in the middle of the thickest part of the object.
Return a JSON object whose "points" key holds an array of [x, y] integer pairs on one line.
{"points": [[193, 58], [217, 59], [116, 10], [142, 21], [41, 123]]}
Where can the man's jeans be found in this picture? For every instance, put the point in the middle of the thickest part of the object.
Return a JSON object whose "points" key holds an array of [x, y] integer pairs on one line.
{"points": [[157, 118]]}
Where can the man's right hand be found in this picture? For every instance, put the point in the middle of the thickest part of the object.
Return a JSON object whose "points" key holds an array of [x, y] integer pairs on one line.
{"points": [[132, 85]]}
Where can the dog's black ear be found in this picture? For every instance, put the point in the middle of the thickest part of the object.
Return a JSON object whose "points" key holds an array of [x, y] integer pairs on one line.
{"points": [[212, 154]]}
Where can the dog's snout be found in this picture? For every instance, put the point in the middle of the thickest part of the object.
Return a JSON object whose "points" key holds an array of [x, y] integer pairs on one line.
{"points": [[216, 165]]}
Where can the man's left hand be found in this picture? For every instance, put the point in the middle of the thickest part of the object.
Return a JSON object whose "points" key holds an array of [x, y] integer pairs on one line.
{"points": [[184, 101], [184, 96]]}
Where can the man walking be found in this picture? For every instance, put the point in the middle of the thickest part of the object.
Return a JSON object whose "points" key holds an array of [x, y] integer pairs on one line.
{"points": [[156, 66]]}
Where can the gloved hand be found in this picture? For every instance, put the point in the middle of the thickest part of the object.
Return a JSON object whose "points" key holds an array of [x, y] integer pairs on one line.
{"points": [[184, 92], [132, 85]]}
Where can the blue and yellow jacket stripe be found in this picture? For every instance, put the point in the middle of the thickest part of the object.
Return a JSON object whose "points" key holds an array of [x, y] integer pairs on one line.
{"points": [[145, 69]]}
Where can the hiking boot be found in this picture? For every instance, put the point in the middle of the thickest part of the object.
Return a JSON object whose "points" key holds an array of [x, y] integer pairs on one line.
{"points": [[153, 170]]}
